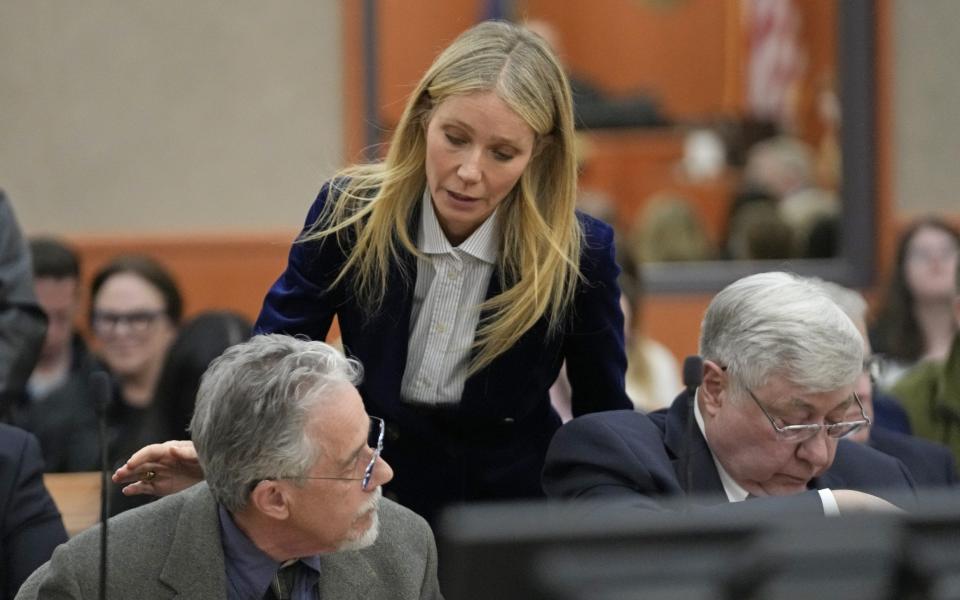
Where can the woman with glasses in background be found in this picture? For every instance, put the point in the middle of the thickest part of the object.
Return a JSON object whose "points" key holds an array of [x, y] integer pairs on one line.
{"points": [[135, 309]]}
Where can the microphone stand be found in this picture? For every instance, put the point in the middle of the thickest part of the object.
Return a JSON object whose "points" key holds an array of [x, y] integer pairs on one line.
{"points": [[102, 391]]}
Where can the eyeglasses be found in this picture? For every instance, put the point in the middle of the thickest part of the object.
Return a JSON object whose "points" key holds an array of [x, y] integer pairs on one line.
{"points": [[374, 444], [928, 255], [138, 321], [802, 433]]}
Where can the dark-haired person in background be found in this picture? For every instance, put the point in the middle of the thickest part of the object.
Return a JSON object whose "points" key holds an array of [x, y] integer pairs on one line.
{"points": [[199, 341], [780, 363], [916, 322], [58, 392], [931, 390], [135, 310]]}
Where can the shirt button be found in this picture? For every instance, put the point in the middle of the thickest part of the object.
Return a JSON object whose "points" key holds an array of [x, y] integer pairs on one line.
{"points": [[440, 328], [452, 275]]}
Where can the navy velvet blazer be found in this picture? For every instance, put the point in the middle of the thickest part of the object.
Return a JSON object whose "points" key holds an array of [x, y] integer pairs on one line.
{"points": [[30, 525], [492, 444], [630, 455], [931, 464]]}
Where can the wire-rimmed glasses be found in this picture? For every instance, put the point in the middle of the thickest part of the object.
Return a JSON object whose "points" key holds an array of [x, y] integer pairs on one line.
{"points": [[374, 444], [802, 433]]}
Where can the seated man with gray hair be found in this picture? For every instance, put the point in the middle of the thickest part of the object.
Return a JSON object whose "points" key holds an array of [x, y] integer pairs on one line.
{"points": [[780, 362], [291, 507]]}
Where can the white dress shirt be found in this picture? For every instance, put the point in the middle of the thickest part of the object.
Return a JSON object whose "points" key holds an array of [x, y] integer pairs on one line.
{"points": [[451, 283]]}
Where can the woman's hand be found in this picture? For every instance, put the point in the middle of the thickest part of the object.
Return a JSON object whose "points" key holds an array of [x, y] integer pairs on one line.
{"points": [[160, 469]]}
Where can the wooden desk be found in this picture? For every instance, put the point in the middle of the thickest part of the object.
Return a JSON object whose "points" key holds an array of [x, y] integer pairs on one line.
{"points": [[77, 495]]}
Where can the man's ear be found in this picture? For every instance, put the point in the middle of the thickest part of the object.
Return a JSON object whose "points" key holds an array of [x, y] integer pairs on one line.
{"points": [[269, 497], [712, 387]]}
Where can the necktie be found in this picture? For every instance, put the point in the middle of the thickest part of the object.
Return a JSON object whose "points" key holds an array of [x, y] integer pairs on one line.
{"points": [[281, 588]]}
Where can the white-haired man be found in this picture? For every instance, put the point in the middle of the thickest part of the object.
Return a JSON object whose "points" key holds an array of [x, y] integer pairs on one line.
{"points": [[291, 506], [780, 362]]}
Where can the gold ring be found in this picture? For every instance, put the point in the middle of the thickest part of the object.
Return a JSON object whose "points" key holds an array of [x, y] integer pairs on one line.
{"points": [[149, 476]]}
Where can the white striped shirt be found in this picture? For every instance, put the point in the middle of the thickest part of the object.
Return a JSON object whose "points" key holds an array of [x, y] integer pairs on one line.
{"points": [[451, 284]]}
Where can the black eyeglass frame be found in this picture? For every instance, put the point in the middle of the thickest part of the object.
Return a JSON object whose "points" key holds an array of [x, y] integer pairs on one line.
{"points": [[105, 322]]}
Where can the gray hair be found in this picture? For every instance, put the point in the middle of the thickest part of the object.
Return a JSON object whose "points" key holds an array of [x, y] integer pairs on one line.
{"points": [[778, 324], [252, 408]]}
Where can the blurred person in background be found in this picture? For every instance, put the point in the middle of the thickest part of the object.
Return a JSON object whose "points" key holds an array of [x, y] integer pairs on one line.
{"points": [[135, 310], [198, 342], [668, 229], [916, 321], [758, 232], [22, 321], [930, 391], [56, 281], [58, 392], [653, 375], [784, 167], [931, 464]]}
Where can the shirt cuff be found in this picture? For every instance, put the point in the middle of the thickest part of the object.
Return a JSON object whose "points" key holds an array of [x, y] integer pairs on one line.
{"points": [[830, 508]]}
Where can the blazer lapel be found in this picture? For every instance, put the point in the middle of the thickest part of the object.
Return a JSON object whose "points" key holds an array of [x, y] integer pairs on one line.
{"points": [[195, 566], [346, 575], [704, 481]]}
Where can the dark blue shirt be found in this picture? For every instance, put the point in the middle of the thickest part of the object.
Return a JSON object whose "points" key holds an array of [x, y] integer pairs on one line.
{"points": [[250, 570]]}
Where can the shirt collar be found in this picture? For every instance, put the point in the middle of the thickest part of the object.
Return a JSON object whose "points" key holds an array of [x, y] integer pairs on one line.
{"points": [[483, 244], [733, 490], [249, 569]]}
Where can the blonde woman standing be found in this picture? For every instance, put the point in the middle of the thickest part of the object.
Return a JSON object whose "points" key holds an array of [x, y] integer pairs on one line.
{"points": [[462, 278]]}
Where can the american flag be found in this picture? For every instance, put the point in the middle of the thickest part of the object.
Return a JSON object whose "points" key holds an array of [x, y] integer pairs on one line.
{"points": [[776, 60]]}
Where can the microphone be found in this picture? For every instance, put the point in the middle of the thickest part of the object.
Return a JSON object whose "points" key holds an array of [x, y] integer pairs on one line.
{"points": [[102, 390], [692, 373], [692, 377]]}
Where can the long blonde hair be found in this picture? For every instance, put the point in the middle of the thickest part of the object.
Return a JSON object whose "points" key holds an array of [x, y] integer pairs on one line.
{"points": [[370, 206]]}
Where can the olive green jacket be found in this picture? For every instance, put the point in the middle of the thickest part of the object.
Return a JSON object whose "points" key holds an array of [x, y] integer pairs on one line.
{"points": [[930, 392]]}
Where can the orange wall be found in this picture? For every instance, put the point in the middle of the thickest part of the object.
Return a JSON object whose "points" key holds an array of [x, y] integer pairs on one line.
{"points": [[625, 46]]}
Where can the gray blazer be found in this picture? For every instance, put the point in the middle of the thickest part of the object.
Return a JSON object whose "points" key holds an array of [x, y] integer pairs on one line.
{"points": [[171, 549]]}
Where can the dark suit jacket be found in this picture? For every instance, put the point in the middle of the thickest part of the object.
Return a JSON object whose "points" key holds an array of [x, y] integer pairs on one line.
{"points": [[30, 525], [626, 454], [22, 321], [171, 549], [65, 422], [931, 464], [492, 444]]}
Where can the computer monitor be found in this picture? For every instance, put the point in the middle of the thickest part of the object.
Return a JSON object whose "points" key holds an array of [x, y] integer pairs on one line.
{"points": [[567, 551]]}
